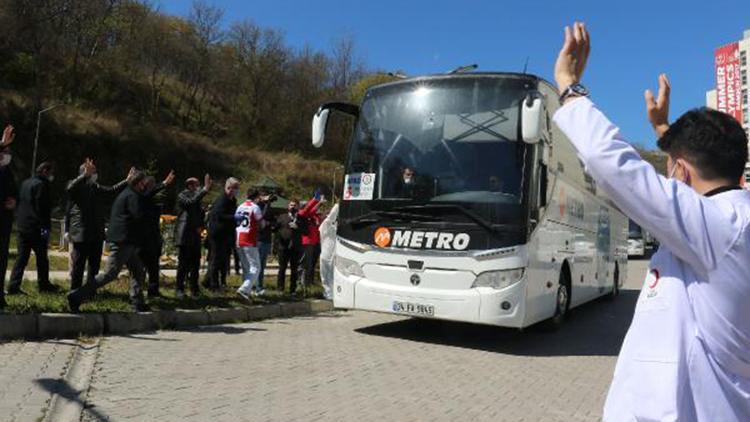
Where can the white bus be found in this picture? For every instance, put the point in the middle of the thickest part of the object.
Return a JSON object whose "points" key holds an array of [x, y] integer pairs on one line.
{"points": [[462, 201]]}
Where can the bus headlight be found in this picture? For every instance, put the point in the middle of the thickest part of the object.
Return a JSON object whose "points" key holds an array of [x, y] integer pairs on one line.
{"points": [[499, 279], [348, 267]]}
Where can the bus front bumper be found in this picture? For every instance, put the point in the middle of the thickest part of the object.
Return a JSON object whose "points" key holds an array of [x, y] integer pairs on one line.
{"points": [[481, 305]]}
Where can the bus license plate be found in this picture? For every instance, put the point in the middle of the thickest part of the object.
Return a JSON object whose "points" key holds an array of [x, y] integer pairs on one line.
{"points": [[413, 308]]}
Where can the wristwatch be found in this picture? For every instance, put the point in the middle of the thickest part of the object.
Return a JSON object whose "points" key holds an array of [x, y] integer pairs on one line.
{"points": [[575, 90]]}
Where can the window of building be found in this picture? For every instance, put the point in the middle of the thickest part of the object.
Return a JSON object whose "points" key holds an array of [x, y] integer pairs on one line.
{"points": [[744, 97], [743, 58], [744, 77]]}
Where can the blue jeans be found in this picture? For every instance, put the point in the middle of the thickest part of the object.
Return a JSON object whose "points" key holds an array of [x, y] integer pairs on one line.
{"points": [[250, 267], [264, 249]]}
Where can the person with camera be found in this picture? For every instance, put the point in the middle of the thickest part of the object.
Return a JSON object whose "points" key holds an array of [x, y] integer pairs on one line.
{"points": [[288, 229]]}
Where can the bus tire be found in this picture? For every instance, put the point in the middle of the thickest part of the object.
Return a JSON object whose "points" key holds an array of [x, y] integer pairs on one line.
{"points": [[615, 284], [562, 300]]}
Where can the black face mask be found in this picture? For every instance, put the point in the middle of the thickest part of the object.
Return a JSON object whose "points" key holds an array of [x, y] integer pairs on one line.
{"points": [[293, 211]]}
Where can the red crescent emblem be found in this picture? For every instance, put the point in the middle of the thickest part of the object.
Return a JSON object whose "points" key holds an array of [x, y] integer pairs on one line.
{"points": [[655, 272]]}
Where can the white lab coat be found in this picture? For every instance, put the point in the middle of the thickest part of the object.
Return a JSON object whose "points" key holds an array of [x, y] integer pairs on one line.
{"points": [[686, 355], [328, 250]]}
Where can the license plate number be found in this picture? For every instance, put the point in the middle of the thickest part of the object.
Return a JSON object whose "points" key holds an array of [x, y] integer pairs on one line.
{"points": [[413, 308]]}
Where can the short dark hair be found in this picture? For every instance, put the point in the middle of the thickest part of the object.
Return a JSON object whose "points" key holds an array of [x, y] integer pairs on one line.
{"points": [[252, 193], [138, 176], [45, 166], [712, 141]]}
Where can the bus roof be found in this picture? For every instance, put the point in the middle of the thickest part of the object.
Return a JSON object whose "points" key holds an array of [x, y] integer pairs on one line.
{"points": [[531, 77]]}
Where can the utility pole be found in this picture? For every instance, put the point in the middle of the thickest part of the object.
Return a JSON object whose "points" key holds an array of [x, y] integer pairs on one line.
{"points": [[36, 137]]}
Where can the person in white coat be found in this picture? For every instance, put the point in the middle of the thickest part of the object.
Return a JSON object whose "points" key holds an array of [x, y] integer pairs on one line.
{"points": [[328, 250], [686, 355]]}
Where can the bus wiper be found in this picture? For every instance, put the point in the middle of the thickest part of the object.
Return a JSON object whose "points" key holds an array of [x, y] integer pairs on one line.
{"points": [[377, 216], [472, 215]]}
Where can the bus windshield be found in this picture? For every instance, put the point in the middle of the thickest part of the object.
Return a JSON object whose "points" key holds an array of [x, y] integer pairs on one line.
{"points": [[441, 143]]}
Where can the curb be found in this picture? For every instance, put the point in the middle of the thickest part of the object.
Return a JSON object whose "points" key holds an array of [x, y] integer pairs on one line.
{"points": [[61, 326], [67, 405]]}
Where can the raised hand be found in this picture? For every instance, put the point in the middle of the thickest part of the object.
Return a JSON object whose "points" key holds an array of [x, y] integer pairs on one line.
{"points": [[131, 173], [10, 203], [89, 167], [207, 182], [9, 134], [169, 179], [658, 109], [571, 62]]}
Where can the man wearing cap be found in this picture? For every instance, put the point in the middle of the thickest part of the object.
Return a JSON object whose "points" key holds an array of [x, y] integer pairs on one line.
{"points": [[188, 233]]}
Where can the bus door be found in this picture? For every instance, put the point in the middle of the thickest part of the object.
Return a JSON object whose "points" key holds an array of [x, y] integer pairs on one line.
{"points": [[603, 251]]}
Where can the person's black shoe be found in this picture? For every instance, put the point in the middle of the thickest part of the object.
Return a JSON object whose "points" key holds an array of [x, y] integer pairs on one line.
{"points": [[152, 294], [16, 292], [141, 307], [49, 288], [74, 301]]}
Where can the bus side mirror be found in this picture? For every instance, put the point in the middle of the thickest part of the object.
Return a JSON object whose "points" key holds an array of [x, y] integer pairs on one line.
{"points": [[320, 120], [531, 120], [319, 125]]}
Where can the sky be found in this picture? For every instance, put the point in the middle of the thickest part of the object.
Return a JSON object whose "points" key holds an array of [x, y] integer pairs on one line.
{"points": [[632, 41]]}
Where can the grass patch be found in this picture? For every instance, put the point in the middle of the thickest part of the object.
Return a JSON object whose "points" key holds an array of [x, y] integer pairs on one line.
{"points": [[114, 297], [56, 262]]}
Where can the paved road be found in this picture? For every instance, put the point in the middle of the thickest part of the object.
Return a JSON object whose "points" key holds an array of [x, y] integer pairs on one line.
{"points": [[355, 365]]}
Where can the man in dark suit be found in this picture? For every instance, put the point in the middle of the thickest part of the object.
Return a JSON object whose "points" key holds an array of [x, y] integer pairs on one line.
{"points": [[150, 250], [288, 228], [221, 233], [85, 221], [125, 236], [8, 196], [33, 223], [188, 233]]}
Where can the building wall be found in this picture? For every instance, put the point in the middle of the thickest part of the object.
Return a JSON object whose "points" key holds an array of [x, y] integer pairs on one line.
{"points": [[744, 48]]}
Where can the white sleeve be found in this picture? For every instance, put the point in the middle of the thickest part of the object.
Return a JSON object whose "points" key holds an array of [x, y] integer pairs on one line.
{"points": [[257, 213], [676, 214]]}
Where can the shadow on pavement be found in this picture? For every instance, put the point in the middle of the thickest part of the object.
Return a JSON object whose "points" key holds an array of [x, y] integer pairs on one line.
{"points": [[63, 389], [224, 329], [593, 329], [141, 337]]}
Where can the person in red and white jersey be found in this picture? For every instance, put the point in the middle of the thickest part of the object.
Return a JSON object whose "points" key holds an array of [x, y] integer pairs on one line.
{"points": [[249, 219]]}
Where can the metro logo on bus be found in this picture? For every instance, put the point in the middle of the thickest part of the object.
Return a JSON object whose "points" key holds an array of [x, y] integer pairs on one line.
{"points": [[414, 239]]}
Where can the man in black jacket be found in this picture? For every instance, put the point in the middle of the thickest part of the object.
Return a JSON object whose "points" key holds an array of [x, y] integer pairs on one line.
{"points": [[85, 221], [33, 223], [125, 236], [288, 237], [188, 233], [221, 233], [150, 250], [8, 195]]}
